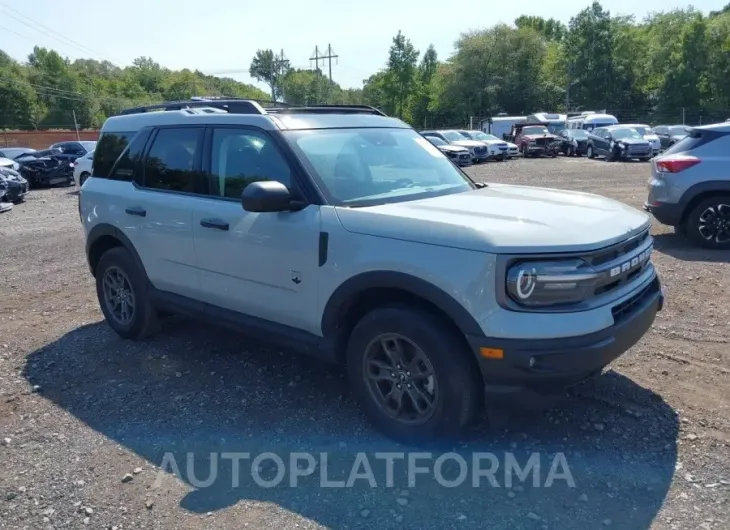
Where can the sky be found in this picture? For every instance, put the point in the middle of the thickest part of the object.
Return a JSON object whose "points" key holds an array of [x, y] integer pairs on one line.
{"points": [[222, 40]]}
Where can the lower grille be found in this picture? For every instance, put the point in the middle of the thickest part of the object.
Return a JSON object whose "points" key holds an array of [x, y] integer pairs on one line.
{"points": [[625, 308]]}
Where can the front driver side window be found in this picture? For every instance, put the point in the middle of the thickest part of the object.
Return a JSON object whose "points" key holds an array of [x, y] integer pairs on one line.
{"points": [[242, 156]]}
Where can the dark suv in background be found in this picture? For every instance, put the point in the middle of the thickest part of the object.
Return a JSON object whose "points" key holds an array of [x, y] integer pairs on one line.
{"points": [[618, 143]]}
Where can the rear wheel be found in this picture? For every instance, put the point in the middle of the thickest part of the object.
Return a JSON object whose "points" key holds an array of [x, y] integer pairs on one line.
{"points": [[412, 374], [83, 177], [708, 224], [123, 295]]}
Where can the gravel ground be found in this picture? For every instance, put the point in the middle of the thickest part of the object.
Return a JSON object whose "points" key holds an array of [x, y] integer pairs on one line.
{"points": [[87, 419]]}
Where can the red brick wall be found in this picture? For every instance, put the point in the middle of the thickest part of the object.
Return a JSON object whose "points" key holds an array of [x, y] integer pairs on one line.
{"points": [[42, 139]]}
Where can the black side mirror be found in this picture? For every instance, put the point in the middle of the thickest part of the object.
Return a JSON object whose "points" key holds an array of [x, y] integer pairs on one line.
{"points": [[267, 196]]}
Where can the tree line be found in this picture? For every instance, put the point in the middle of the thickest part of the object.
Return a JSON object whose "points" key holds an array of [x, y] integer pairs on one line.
{"points": [[672, 60]]}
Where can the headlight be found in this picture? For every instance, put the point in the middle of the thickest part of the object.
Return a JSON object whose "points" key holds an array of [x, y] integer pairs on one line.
{"points": [[16, 166], [548, 283]]}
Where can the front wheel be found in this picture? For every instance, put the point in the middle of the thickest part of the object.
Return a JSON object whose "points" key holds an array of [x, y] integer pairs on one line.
{"points": [[412, 374], [83, 177], [525, 152], [590, 153], [708, 224]]}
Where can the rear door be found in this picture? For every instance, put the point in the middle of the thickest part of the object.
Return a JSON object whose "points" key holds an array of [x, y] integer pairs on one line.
{"points": [[166, 192]]}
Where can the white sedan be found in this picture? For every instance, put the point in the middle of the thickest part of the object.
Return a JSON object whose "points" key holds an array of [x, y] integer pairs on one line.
{"points": [[82, 168]]}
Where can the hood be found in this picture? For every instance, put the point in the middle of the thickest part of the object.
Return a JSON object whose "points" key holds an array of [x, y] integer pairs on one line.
{"points": [[468, 143], [503, 219], [678, 136], [632, 141], [494, 142], [6, 162], [454, 148], [651, 138], [536, 136]]}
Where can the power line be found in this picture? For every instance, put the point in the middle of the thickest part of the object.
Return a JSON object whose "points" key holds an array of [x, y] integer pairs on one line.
{"points": [[49, 32]]}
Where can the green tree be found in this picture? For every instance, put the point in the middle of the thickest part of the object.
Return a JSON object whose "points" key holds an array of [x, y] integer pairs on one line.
{"points": [[400, 78], [270, 69]]}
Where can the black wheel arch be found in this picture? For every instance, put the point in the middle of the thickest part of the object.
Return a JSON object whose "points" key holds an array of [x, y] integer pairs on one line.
{"points": [[368, 290], [700, 192], [104, 237]]}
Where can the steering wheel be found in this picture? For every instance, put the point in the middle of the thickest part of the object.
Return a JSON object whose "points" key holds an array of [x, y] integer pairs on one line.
{"points": [[404, 183]]}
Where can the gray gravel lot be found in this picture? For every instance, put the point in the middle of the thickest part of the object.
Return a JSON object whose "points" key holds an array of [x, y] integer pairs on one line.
{"points": [[86, 418]]}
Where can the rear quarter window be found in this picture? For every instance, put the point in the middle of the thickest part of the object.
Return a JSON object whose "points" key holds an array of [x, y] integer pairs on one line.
{"points": [[108, 149], [695, 139]]}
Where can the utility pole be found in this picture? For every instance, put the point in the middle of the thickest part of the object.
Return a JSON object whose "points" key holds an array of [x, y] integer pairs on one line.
{"points": [[281, 64], [330, 55]]}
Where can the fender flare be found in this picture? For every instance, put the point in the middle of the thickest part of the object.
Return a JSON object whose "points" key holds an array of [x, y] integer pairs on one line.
{"points": [[717, 186], [341, 299], [103, 230]]}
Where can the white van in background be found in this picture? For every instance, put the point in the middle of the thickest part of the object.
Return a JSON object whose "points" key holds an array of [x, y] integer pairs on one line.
{"points": [[590, 120], [501, 125]]}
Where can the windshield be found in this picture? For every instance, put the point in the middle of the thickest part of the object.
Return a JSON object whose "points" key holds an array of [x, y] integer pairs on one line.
{"points": [[577, 133], [366, 167], [435, 140], [625, 133], [453, 136], [479, 135], [678, 131], [535, 130], [89, 146], [556, 127]]}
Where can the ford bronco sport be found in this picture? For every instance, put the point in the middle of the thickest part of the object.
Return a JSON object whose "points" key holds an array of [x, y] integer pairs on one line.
{"points": [[344, 234]]}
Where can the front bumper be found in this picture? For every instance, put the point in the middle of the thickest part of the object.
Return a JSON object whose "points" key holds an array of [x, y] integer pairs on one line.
{"points": [[549, 365]]}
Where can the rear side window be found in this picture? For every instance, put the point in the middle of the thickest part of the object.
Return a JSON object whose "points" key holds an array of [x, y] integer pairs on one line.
{"points": [[129, 162], [108, 149], [696, 138], [172, 160]]}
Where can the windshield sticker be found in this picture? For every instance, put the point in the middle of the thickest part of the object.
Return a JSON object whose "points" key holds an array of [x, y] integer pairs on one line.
{"points": [[428, 146]]}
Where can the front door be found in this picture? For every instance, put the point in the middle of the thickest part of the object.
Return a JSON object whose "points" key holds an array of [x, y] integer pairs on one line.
{"points": [[263, 265]]}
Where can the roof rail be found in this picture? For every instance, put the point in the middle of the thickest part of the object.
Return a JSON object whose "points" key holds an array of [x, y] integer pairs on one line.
{"points": [[237, 106], [252, 106], [326, 109]]}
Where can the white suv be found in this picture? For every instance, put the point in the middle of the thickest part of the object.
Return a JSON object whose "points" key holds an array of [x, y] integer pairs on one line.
{"points": [[344, 234]]}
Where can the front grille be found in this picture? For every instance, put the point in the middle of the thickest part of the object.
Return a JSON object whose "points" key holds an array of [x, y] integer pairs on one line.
{"points": [[621, 264], [542, 141], [465, 156], [616, 251], [481, 150]]}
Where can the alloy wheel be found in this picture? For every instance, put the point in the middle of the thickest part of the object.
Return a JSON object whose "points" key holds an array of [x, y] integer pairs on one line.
{"points": [[400, 378], [714, 224], [118, 295]]}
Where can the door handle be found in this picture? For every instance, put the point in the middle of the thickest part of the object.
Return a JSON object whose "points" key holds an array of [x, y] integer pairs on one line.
{"points": [[136, 210], [214, 223]]}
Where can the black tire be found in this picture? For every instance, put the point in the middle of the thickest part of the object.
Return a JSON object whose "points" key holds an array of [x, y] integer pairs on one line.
{"points": [[83, 177], [144, 321], [525, 152], [704, 231], [459, 390], [590, 153]]}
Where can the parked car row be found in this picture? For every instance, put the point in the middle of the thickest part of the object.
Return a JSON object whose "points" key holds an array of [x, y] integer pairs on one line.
{"points": [[465, 147], [24, 168]]}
